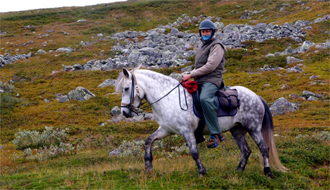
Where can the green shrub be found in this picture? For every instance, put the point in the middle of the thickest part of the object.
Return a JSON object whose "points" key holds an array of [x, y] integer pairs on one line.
{"points": [[7, 101], [25, 139], [136, 148], [48, 144]]}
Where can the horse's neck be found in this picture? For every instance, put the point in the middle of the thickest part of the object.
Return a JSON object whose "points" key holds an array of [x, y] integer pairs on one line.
{"points": [[155, 85]]}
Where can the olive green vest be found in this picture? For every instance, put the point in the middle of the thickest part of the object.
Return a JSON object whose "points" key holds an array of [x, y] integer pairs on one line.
{"points": [[201, 59]]}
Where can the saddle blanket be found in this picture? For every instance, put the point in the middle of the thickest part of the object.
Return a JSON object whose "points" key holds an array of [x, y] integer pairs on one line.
{"points": [[228, 103]]}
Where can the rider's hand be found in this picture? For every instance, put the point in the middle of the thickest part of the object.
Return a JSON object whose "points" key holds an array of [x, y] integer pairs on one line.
{"points": [[186, 77]]}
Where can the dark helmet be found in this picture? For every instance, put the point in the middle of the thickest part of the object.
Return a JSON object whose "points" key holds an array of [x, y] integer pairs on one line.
{"points": [[207, 24]]}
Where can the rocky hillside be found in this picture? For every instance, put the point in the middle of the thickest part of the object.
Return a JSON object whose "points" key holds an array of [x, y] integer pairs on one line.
{"points": [[58, 66]]}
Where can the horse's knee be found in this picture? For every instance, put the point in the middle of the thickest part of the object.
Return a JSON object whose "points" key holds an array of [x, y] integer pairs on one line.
{"points": [[148, 141]]}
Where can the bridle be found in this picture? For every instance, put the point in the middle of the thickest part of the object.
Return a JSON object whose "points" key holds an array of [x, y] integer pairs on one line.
{"points": [[134, 109], [130, 105]]}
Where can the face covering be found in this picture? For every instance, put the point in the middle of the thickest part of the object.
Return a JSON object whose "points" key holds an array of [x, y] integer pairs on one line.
{"points": [[206, 37]]}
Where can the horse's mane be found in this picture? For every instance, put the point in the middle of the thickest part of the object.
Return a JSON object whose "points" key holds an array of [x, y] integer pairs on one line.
{"points": [[122, 80]]}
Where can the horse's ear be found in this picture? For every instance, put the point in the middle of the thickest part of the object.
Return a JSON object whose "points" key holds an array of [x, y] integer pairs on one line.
{"points": [[126, 72]]}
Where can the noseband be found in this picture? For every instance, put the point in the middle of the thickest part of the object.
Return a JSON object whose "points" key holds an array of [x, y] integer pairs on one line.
{"points": [[131, 106]]}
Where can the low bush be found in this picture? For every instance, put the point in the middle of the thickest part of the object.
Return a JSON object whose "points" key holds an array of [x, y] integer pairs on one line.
{"points": [[49, 144], [136, 148]]}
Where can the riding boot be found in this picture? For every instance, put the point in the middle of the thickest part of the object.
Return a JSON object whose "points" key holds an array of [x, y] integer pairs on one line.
{"points": [[215, 140]]}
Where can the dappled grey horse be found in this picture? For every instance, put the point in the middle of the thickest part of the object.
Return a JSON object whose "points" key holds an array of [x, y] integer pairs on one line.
{"points": [[167, 99]]}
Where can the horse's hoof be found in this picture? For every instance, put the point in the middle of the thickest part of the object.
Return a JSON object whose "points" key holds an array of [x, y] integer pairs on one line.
{"points": [[239, 168], [201, 174], [267, 172], [148, 169]]}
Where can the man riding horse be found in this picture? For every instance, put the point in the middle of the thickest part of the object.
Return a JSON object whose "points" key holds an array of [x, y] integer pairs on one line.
{"points": [[208, 72]]}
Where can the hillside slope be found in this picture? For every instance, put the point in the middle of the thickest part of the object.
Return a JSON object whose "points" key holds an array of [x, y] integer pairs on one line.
{"points": [[33, 80]]}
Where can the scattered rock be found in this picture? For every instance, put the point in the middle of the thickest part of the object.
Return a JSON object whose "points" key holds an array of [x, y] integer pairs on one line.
{"points": [[115, 111], [65, 49], [282, 106], [308, 94], [80, 93], [108, 82], [40, 51], [291, 59], [312, 98], [114, 152]]}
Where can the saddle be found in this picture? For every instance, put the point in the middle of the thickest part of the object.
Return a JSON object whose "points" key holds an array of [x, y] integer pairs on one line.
{"points": [[227, 100]]}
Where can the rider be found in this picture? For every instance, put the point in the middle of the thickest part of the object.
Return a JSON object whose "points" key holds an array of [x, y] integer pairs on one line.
{"points": [[208, 72]]}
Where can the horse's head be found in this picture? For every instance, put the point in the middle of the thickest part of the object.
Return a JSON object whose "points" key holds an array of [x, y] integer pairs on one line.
{"points": [[132, 95]]}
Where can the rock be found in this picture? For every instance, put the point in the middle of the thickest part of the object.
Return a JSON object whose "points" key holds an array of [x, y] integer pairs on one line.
{"points": [[114, 152], [82, 43], [308, 94], [115, 111], [65, 49], [149, 116], [219, 25], [295, 69], [40, 51], [47, 101], [306, 45], [282, 106], [176, 76], [138, 118], [291, 59], [81, 20], [174, 31], [80, 93], [285, 86], [63, 99], [312, 98], [313, 77], [108, 82]]}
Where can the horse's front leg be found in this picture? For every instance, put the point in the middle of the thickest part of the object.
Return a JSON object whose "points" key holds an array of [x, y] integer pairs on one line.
{"points": [[191, 143], [159, 134]]}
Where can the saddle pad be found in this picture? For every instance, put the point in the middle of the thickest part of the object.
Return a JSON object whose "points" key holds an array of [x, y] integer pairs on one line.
{"points": [[198, 110], [221, 112]]}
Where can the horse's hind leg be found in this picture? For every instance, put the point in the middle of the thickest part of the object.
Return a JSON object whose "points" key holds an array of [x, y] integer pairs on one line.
{"points": [[191, 143], [239, 133], [264, 150], [159, 134]]}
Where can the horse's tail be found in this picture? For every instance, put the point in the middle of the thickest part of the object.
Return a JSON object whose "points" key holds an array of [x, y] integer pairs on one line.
{"points": [[268, 134]]}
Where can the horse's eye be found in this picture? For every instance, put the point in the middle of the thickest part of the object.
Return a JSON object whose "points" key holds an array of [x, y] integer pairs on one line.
{"points": [[126, 88]]}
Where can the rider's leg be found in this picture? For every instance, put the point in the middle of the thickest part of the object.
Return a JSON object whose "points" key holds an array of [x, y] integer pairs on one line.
{"points": [[210, 108]]}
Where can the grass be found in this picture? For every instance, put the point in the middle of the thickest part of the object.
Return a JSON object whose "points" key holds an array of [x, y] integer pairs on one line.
{"points": [[306, 157]]}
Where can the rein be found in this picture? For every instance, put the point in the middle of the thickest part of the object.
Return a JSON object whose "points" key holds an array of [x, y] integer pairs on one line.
{"points": [[177, 86], [132, 97]]}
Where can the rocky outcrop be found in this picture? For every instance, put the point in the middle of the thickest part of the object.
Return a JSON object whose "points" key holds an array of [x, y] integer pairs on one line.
{"points": [[8, 59], [159, 49], [80, 93]]}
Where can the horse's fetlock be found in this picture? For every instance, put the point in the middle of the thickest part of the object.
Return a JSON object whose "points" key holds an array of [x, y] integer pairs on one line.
{"points": [[195, 156], [148, 159]]}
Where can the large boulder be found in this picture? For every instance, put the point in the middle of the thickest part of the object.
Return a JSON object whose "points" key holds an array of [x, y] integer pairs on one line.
{"points": [[282, 106]]}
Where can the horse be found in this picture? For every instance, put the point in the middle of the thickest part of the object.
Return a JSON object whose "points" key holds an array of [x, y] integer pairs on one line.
{"points": [[173, 110]]}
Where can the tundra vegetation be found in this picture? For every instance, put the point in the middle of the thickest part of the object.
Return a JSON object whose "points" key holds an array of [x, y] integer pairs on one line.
{"points": [[47, 144]]}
